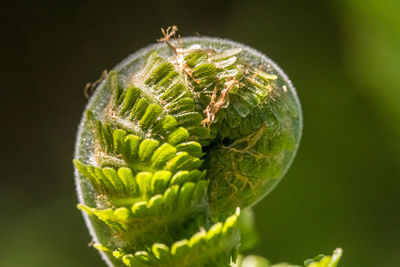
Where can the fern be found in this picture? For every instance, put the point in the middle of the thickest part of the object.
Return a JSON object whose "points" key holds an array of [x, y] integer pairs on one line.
{"points": [[174, 143]]}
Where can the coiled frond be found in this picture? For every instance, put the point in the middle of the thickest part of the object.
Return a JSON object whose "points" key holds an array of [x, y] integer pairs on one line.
{"points": [[174, 142]]}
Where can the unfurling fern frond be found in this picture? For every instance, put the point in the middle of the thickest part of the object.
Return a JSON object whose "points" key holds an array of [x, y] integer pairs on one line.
{"points": [[174, 143]]}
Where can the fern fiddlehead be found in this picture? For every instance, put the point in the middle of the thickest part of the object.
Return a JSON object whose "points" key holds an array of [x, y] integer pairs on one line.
{"points": [[174, 142]]}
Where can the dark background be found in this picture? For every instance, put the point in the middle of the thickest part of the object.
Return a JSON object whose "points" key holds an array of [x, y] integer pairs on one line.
{"points": [[343, 56]]}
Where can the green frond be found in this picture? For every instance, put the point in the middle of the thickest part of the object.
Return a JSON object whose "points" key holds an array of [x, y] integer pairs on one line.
{"points": [[146, 149], [109, 181], [147, 154], [189, 119], [175, 92], [178, 136], [113, 84], [160, 73], [141, 185], [201, 134], [150, 116], [105, 136], [169, 79], [179, 106], [165, 125], [157, 211], [119, 140], [195, 251], [205, 73], [139, 109], [196, 58], [182, 105], [130, 98], [191, 147]]}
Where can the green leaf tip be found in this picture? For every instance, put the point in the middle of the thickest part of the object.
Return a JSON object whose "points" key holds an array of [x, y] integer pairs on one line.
{"points": [[179, 138]]}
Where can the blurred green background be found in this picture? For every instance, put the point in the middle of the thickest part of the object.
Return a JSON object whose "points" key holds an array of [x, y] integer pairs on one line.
{"points": [[342, 55]]}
